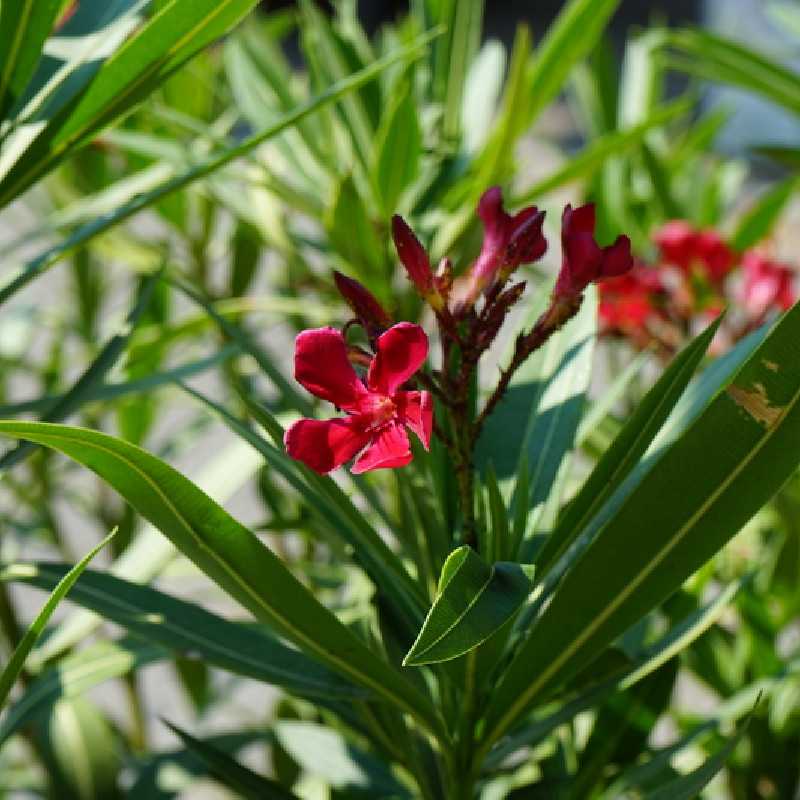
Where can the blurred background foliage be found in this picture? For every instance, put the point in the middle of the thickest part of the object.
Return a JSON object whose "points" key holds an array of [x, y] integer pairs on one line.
{"points": [[240, 156]]}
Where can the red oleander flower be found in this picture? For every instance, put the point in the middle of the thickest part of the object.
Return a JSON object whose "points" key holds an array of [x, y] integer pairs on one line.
{"points": [[508, 241], [583, 260], [627, 303], [676, 240], [714, 255], [686, 247], [767, 284], [377, 413]]}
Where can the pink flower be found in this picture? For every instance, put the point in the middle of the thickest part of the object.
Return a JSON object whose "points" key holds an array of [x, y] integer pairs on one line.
{"points": [[377, 413], [583, 260], [767, 285], [508, 241]]}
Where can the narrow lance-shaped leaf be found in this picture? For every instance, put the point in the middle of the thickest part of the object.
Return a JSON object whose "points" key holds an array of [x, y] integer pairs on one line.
{"points": [[328, 502], [76, 674], [176, 32], [230, 772], [656, 655], [24, 27], [93, 375], [22, 276], [689, 786], [17, 661], [706, 481], [472, 602], [187, 628], [231, 555], [629, 446], [712, 57], [757, 223], [150, 552]]}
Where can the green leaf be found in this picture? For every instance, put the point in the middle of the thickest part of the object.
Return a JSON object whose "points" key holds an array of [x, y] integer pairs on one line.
{"points": [[677, 639], [597, 152], [628, 447], [82, 755], [689, 786], [110, 391], [481, 93], [15, 664], [715, 58], [324, 752], [758, 222], [574, 34], [336, 511], [230, 554], [76, 674], [226, 769], [182, 765], [150, 552], [354, 237], [325, 51], [187, 628], [93, 375], [24, 27], [398, 150], [540, 413], [472, 602], [175, 33], [628, 559], [464, 38], [32, 269]]}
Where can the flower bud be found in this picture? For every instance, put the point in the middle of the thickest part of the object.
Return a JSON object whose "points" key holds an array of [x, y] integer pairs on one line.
{"points": [[374, 319], [508, 241], [583, 260], [414, 258]]}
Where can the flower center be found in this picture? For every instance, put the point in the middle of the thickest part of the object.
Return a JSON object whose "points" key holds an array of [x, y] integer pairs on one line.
{"points": [[378, 409]]}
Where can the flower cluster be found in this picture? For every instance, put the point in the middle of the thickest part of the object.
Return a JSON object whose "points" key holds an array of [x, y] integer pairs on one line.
{"points": [[469, 310], [697, 275]]}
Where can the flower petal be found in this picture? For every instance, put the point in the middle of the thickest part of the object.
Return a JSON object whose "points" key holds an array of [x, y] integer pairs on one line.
{"points": [[390, 448], [415, 409], [322, 366], [401, 351], [617, 258], [324, 445]]}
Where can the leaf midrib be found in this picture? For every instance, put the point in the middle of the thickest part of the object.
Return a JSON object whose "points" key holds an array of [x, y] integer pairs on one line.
{"points": [[343, 665], [11, 62], [213, 645], [630, 587]]}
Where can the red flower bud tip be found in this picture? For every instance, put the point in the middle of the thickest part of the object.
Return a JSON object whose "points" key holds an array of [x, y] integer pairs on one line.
{"points": [[374, 319], [767, 285], [583, 260], [378, 412], [508, 241], [414, 258]]}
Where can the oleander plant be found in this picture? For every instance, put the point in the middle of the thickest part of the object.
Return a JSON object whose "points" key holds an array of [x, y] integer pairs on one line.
{"points": [[366, 438]]}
